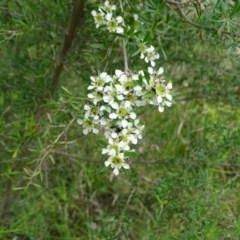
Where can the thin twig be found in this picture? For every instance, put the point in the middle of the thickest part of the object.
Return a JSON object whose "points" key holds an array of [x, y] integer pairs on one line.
{"points": [[124, 49], [125, 56], [123, 212], [141, 161], [121, 4], [48, 151], [199, 25]]}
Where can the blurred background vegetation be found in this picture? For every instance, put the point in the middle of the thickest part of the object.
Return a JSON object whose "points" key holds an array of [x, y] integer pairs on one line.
{"points": [[184, 182]]}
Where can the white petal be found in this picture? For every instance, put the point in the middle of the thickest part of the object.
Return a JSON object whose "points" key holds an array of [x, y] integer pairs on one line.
{"points": [[113, 115], [160, 109], [141, 73], [156, 56], [169, 97], [136, 122], [150, 49], [153, 63], [113, 7], [107, 89], [135, 16], [94, 13], [103, 75], [104, 150], [120, 97], [138, 88], [150, 70], [86, 107], [169, 85], [106, 98], [115, 171], [159, 99], [112, 152], [90, 87], [95, 130], [80, 121], [95, 117], [125, 147], [123, 78], [167, 103], [85, 131], [103, 122], [124, 123], [134, 141], [114, 105], [108, 16], [132, 115], [107, 163], [119, 19], [90, 95], [125, 165], [118, 73], [108, 79], [114, 135], [120, 30], [160, 71], [127, 104], [134, 77]]}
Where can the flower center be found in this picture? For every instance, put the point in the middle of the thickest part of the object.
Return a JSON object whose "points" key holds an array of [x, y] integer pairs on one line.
{"points": [[117, 160], [122, 112], [161, 90]]}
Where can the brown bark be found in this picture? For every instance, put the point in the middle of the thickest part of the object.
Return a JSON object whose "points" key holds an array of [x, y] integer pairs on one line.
{"points": [[76, 15]]}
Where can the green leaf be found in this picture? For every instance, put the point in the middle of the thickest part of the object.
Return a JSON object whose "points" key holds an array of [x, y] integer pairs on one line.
{"points": [[235, 9], [97, 46], [102, 142]]}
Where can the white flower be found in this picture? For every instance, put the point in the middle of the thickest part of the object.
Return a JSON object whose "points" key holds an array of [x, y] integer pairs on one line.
{"points": [[95, 97], [98, 18], [92, 111], [88, 126], [108, 16], [149, 55], [108, 7], [115, 25], [164, 98], [99, 82], [112, 148], [112, 92], [116, 162], [136, 17]]}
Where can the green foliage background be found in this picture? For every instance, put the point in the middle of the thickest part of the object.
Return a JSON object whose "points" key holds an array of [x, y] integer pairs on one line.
{"points": [[184, 182]]}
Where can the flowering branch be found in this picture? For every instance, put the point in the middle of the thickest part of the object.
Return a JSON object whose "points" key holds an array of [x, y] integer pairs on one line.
{"points": [[113, 99]]}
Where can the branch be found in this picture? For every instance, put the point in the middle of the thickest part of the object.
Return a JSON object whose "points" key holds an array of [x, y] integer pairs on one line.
{"points": [[47, 151], [125, 58], [212, 29], [77, 13]]}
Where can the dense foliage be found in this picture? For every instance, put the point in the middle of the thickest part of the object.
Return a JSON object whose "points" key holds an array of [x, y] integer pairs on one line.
{"points": [[184, 179]]}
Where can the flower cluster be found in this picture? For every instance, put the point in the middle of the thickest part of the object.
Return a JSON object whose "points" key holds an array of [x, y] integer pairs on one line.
{"points": [[113, 99], [106, 16], [111, 108]]}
